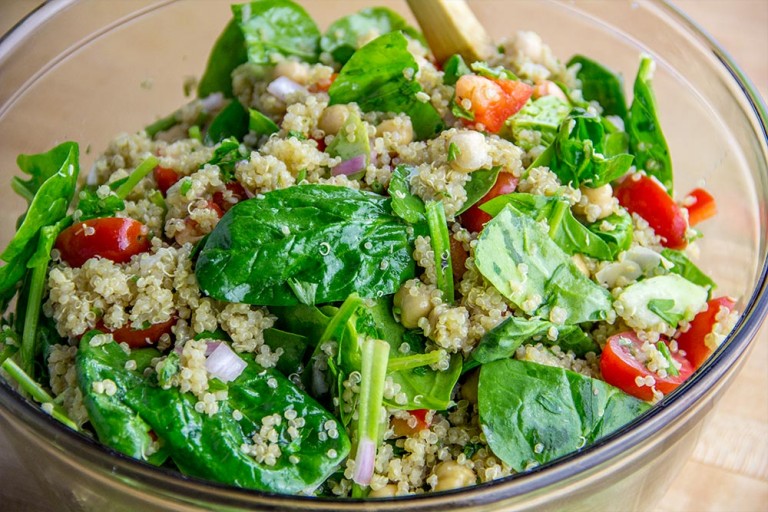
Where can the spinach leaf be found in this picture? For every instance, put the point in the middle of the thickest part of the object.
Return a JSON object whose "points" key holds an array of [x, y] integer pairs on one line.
{"points": [[375, 79], [232, 121], [619, 238], [341, 239], [454, 68], [116, 424], [532, 414], [480, 183], [601, 85], [578, 152], [226, 155], [227, 53], [541, 116], [502, 341], [277, 27], [294, 346], [49, 192], [341, 38], [686, 268], [497, 72], [426, 388], [527, 267], [307, 321], [405, 204], [646, 140], [261, 124]]}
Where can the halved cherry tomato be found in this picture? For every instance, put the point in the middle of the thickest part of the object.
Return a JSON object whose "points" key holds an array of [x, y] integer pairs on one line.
{"points": [[621, 367], [165, 178], [700, 205], [237, 193], [323, 85], [693, 341], [113, 238], [646, 197], [493, 100], [474, 218], [402, 428], [139, 338]]}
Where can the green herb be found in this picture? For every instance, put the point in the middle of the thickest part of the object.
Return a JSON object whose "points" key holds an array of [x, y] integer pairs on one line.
{"points": [[296, 135], [532, 414], [453, 152], [460, 112], [186, 186], [600, 84], [665, 309], [497, 72], [375, 79], [664, 350], [441, 245], [454, 68], [341, 239], [225, 156]]}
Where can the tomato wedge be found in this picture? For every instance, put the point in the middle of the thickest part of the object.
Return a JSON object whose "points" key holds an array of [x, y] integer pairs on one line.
{"points": [[139, 338], [165, 178], [402, 427], [113, 238], [474, 218], [700, 205], [621, 367], [694, 340], [237, 194], [646, 197], [493, 100]]}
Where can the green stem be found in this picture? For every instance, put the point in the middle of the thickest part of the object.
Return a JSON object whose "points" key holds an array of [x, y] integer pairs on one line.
{"points": [[397, 364], [135, 177], [339, 320], [441, 245], [16, 185], [556, 217], [162, 124]]}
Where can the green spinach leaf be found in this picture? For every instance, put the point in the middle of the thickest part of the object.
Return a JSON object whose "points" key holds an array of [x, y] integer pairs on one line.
{"points": [[600, 84], [619, 238], [480, 183], [261, 124], [686, 268], [541, 117], [532, 414], [405, 204], [426, 388], [454, 68], [227, 53], [232, 121]]}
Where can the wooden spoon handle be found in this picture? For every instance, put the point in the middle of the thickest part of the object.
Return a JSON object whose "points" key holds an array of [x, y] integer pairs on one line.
{"points": [[451, 27]]}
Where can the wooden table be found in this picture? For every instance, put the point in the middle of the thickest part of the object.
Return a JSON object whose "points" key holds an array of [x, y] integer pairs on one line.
{"points": [[728, 470]]}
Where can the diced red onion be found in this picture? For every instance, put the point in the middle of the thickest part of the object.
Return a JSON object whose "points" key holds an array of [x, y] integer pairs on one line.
{"points": [[212, 102], [224, 364], [282, 86], [349, 167], [211, 346], [364, 461]]}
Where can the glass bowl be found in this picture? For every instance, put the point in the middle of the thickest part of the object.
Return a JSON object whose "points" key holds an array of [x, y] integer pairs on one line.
{"points": [[87, 70]]}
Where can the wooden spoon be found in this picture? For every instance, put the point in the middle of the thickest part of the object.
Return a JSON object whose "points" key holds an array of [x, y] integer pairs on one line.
{"points": [[451, 27]]}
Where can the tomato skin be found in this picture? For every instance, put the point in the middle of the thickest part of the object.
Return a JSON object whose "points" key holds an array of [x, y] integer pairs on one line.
{"points": [[165, 178], [692, 340], [474, 218], [113, 238], [700, 205], [402, 428], [493, 100], [646, 197], [238, 193], [620, 368], [139, 338]]}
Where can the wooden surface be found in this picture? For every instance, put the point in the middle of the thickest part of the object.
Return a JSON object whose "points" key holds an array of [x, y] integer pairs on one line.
{"points": [[728, 470]]}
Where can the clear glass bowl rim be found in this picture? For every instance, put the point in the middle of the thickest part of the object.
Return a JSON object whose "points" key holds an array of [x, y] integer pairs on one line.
{"points": [[693, 393]]}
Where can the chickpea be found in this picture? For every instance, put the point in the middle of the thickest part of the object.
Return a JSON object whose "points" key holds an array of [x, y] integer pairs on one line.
{"points": [[548, 88], [469, 387], [296, 71], [400, 129], [471, 151], [414, 303], [333, 118], [452, 475], [597, 203], [387, 491]]}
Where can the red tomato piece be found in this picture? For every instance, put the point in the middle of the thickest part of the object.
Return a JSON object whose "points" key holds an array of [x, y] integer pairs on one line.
{"points": [[493, 100], [403, 427], [139, 338], [693, 341], [646, 197], [165, 178], [621, 367], [474, 218], [700, 205], [237, 194], [324, 85], [113, 238]]}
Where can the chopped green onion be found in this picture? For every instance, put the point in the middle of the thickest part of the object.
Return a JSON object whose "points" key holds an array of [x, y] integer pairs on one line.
{"points": [[194, 133], [136, 176], [453, 152], [441, 245], [672, 370], [397, 364]]}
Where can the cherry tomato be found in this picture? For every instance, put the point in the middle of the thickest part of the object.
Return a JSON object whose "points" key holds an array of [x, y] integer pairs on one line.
{"points": [[621, 367], [646, 197], [474, 218], [700, 205], [165, 178], [113, 238], [693, 341], [323, 85], [402, 428], [139, 338], [493, 100], [237, 194]]}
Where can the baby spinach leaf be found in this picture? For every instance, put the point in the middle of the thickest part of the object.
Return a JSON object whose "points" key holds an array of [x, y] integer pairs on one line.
{"points": [[227, 53], [619, 238], [277, 27], [375, 78], [341, 239], [453, 68], [307, 321], [600, 84], [497, 72], [341, 38], [405, 204], [532, 414], [686, 268], [502, 341], [116, 424], [527, 267], [52, 186], [294, 347], [426, 388], [261, 124], [646, 140], [232, 121], [541, 116], [480, 182]]}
